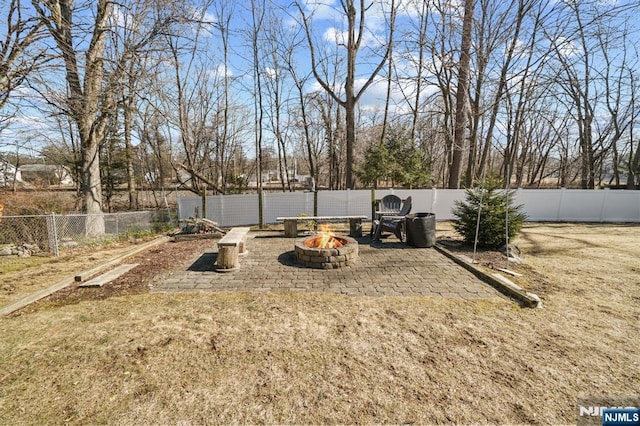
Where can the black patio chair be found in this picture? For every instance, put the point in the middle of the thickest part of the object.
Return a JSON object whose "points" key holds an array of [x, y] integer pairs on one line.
{"points": [[393, 223], [389, 205]]}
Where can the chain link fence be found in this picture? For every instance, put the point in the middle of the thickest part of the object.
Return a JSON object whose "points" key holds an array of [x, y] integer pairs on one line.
{"points": [[51, 233]]}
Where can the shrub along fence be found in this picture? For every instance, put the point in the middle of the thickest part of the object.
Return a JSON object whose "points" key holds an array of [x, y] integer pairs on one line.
{"points": [[23, 235], [540, 205]]}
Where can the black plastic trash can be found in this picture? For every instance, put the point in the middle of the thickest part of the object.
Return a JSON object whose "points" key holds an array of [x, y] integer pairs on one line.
{"points": [[421, 229]]}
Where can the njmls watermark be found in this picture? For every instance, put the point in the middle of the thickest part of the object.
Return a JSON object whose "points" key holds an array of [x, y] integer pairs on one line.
{"points": [[609, 411]]}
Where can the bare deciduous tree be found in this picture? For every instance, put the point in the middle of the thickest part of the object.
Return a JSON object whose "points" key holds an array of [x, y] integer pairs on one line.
{"points": [[86, 102], [356, 18], [276, 92], [289, 43], [588, 82]]}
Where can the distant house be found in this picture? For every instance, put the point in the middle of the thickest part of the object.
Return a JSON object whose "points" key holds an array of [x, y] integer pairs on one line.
{"points": [[8, 173], [184, 178], [46, 173]]}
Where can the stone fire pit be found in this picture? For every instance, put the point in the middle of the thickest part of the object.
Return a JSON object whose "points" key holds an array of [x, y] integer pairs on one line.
{"points": [[327, 258]]}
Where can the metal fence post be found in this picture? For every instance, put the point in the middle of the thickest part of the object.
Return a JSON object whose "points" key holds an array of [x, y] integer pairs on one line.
{"points": [[53, 234]]}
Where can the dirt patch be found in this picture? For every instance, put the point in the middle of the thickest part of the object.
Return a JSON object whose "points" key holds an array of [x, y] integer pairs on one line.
{"points": [[20, 277], [157, 260]]}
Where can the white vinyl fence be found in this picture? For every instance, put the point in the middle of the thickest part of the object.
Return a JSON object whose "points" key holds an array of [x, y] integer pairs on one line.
{"points": [[540, 205]]}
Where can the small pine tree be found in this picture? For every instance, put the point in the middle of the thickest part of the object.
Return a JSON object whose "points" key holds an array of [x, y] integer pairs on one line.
{"points": [[375, 165], [397, 160], [491, 233]]}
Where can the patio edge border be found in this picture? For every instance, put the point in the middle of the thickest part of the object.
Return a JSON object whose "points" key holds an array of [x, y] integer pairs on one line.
{"points": [[502, 284]]}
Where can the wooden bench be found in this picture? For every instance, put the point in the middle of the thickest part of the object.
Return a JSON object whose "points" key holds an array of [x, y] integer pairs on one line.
{"points": [[291, 223], [230, 247]]}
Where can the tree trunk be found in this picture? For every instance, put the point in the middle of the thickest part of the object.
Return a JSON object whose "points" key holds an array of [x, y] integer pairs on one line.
{"points": [[422, 36], [349, 103], [128, 152], [634, 166], [461, 97], [350, 121], [92, 187]]}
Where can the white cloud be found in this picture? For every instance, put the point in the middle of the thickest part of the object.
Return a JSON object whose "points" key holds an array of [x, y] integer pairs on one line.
{"points": [[27, 133], [331, 12], [209, 19], [218, 72], [335, 36], [521, 48], [566, 47], [374, 97], [323, 9], [410, 8], [316, 87], [203, 20], [29, 122], [376, 94], [270, 73]]}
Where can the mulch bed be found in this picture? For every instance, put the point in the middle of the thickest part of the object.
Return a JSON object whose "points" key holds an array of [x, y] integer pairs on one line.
{"points": [[152, 262]]}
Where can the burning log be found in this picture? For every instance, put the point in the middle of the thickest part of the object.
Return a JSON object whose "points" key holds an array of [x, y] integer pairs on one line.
{"points": [[325, 239]]}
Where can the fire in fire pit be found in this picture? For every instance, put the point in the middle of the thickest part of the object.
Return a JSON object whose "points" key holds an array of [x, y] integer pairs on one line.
{"points": [[326, 239], [326, 251]]}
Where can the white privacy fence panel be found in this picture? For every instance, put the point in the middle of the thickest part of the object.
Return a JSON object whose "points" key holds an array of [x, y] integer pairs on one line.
{"points": [[438, 201], [581, 206], [540, 205], [444, 202], [286, 204], [344, 203], [420, 198], [576, 205], [236, 209], [227, 210], [189, 207], [621, 206]]}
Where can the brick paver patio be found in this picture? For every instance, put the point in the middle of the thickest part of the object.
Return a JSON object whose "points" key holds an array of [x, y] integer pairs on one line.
{"points": [[385, 268]]}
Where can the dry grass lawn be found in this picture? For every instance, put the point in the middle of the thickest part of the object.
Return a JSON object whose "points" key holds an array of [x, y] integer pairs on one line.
{"points": [[316, 358]]}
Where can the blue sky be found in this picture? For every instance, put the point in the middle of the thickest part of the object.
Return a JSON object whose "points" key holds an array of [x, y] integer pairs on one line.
{"points": [[328, 25]]}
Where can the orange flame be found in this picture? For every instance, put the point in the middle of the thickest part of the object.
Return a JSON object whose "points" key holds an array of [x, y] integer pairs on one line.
{"points": [[326, 239]]}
